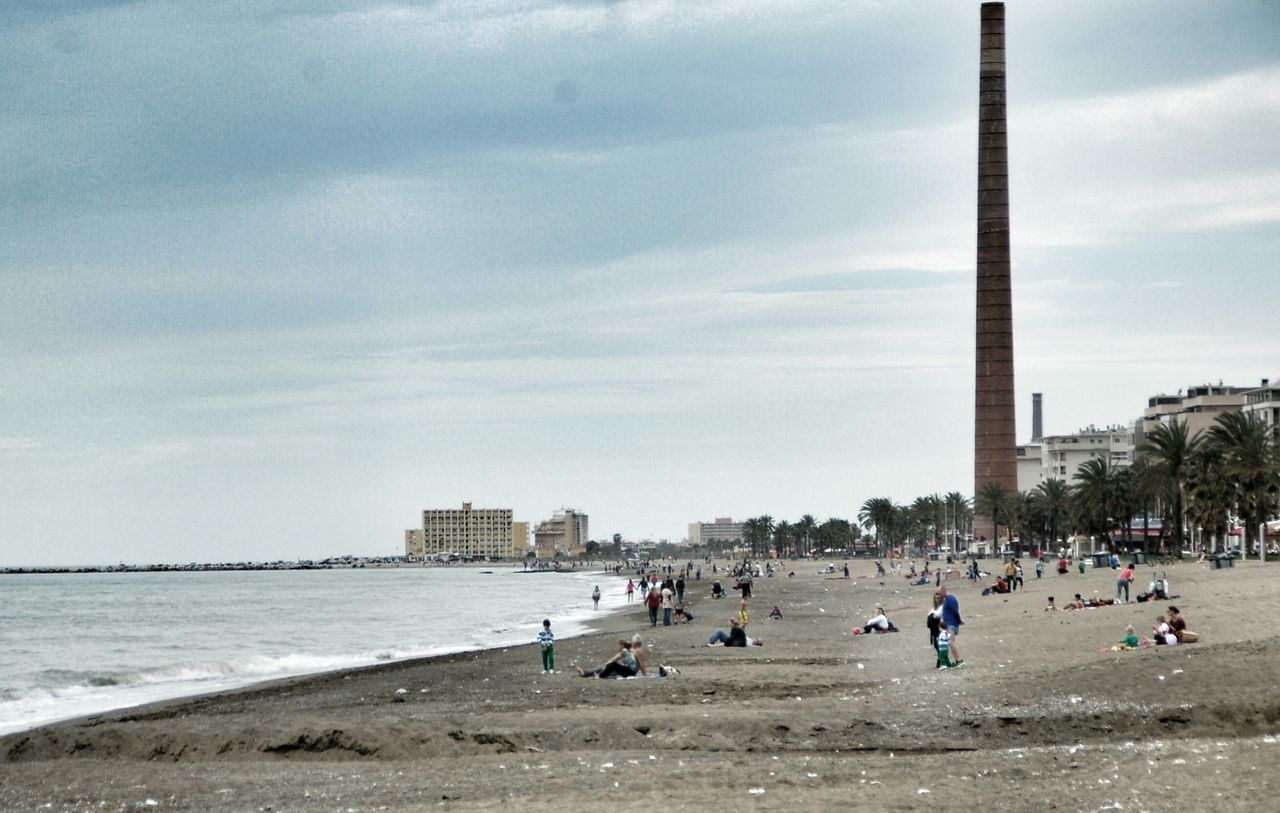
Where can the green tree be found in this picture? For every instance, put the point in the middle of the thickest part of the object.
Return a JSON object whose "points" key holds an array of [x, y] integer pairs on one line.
{"points": [[1054, 502], [805, 529], [877, 513], [783, 536], [1251, 458], [1210, 494], [959, 511], [1093, 494], [995, 501], [1167, 453]]}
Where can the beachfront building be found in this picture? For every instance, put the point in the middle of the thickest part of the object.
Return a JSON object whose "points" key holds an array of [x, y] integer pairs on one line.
{"points": [[1198, 408], [565, 534], [724, 529], [1264, 402], [1029, 466], [520, 538], [1058, 456], [467, 533]]}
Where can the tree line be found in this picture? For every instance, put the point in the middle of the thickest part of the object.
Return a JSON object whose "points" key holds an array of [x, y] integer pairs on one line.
{"points": [[1212, 479]]}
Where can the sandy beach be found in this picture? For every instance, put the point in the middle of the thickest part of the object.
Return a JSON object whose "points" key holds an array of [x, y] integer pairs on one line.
{"points": [[1040, 718]]}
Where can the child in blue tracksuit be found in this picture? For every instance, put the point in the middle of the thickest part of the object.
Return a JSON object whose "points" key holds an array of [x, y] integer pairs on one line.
{"points": [[547, 642]]}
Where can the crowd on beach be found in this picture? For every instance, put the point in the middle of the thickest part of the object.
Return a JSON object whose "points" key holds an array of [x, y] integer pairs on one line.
{"points": [[662, 589]]}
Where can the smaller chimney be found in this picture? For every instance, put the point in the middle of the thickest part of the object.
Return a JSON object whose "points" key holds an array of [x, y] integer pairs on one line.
{"points": [[1037, 417]]}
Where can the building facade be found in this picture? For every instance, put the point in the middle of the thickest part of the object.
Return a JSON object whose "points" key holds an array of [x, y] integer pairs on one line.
{"points": [[463, 532], [1058, 456], [724, 529], [1264, 402], [565, 533], [1198, 408]]}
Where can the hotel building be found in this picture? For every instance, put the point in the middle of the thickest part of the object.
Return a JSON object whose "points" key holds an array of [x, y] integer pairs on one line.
{"points": [[467, 532]]}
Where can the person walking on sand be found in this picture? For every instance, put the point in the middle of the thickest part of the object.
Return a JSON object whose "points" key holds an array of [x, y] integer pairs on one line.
{"points": [[595, 597], [680, 588], [631, 590], [547, 643], [1040, 566], [653, 601], [668, 604], [951, 620]]}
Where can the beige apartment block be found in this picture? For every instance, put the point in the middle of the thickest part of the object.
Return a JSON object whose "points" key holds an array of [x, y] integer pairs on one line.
{"points": [[414, 543], [565, 533], [1198, 408], [466, 532], [724, 529]]}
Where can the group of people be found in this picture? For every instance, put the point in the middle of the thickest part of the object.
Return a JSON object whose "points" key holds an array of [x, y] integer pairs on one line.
{"points": [[944, 629]]}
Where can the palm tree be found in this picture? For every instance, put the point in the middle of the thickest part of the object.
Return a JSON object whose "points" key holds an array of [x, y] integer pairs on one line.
{"points": [[994, 500], [958, 508], [782, 535], [1167, 452], [1251, 458], [1094, 491], [1053, 499], [877, 513], [756, 535], [1210, 494], [804, 530]]}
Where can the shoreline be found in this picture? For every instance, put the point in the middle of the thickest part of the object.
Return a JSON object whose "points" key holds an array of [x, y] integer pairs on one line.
{"points": [[818, 716], [136, 697]]}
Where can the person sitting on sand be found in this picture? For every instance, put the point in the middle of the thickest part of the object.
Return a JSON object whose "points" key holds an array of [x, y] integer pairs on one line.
{"points": [[1062, 566], [716, 590], [736, 636], [639, 653], [683, 616], [1130, 640], [1177, 624], [1161, 634], [879, 623], [775, 614], [621, 665], [1076, 603], [1050, 605]]}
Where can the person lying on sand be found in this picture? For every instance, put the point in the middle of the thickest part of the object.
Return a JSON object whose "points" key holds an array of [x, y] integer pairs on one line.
{"points": [[736, 636]]}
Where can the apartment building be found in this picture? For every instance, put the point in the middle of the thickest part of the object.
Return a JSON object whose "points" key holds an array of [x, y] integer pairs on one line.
{"points": [[1058, 456], [565, 533], [466, 532], [1264, 402], [1198, 408], [724, 529]]}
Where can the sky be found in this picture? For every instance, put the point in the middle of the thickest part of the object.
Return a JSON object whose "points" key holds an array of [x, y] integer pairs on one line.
{"points": [[275, 277]]}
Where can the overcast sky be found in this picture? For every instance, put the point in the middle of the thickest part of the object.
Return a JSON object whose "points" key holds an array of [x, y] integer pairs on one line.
{"points": [[274, 277]]}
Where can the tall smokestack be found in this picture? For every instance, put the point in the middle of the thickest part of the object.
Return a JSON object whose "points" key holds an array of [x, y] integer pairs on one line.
{"points": [[995, 447], [1037, 417]]}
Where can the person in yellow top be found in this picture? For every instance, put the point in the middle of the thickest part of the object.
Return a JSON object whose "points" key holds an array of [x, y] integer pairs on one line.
{"points": [[1010, 573]]}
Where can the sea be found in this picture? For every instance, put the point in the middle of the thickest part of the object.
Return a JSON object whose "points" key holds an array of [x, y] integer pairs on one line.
{"points": [[73, 644]]}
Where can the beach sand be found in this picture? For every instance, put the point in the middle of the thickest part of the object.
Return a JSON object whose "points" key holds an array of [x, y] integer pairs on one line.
{"points": [[1038, 719]]}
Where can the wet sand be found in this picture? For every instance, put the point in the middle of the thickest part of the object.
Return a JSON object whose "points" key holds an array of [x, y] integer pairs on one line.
{"points": [[1038, 719]]}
